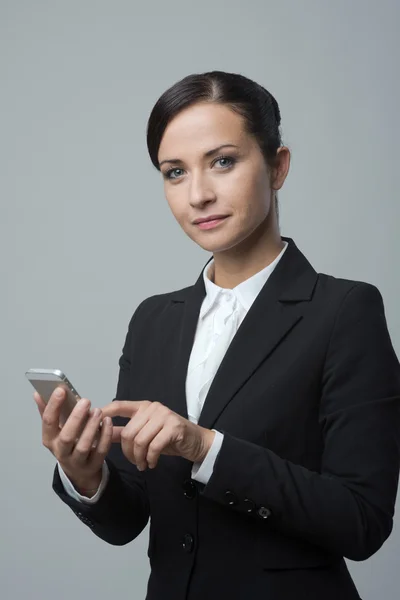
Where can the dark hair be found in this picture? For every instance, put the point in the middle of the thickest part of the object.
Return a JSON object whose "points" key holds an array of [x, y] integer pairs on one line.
{"points": [[253, 102]]}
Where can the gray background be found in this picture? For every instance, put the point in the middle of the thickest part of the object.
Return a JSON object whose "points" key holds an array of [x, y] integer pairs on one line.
{"points": [[86, 232]]}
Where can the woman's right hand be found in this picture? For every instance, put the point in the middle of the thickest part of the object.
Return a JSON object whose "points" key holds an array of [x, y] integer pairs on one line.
{"points": [[73, 444]]}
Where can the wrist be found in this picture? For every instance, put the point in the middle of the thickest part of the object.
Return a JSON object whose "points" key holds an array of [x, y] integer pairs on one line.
{"points": [[85, 486], [88, 493], [88, 488], [207, 441]]}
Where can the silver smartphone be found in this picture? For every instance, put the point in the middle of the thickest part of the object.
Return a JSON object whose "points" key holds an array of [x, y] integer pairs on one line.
{"points": [[45, 381]]}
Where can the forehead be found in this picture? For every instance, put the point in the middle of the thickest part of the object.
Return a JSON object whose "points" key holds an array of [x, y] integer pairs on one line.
{"points": [[201, 127]]}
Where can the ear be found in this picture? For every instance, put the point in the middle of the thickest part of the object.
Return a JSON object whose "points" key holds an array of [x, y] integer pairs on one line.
{"points": [[281, 169]]}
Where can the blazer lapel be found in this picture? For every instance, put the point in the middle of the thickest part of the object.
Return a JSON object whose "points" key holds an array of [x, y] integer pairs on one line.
{"points": [[277, 309]]}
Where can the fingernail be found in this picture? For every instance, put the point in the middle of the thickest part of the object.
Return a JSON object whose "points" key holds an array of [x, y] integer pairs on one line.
{"points": [[59, 392], [84, 402]]}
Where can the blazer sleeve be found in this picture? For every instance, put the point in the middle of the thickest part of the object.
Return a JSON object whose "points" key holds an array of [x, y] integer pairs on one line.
{"points": [[122, 511], [348, 506]]}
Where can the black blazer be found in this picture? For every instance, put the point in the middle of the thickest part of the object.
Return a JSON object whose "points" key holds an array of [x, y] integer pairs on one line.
{"points": [[308, 397]]}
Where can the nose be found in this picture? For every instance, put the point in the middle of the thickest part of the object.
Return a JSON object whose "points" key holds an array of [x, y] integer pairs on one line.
{"points": [[200, 190]]}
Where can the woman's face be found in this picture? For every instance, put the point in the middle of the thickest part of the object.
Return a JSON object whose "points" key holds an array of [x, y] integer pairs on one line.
{"points": [[232, 181]]}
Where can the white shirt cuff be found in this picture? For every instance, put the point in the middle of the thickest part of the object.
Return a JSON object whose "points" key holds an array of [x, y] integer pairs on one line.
{"points": [[203, 471], [71, 491]]}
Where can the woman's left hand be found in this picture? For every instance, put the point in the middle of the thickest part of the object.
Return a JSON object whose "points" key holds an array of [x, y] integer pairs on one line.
{"points": [[154, 429]]}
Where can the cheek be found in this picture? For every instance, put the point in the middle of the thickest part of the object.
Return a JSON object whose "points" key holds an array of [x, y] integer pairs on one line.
{"points": [[249, 196], [247, 182], [260, 192], [176, 203]]}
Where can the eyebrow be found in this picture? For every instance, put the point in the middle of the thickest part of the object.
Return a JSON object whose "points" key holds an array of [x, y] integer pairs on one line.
{"points": [[206, 154]]}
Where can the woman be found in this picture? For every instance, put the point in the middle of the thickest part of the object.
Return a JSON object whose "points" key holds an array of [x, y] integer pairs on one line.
{"points": [[256, 419]]}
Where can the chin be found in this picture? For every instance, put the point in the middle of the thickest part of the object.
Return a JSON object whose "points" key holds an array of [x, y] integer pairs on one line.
{"points": [[217, 241], [217, 245]]}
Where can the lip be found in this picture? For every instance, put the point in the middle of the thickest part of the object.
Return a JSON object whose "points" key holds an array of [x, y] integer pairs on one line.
{"points": [[210, 218], [210, 224]]}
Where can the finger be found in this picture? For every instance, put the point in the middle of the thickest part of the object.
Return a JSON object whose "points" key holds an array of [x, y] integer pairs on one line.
{"points": [[131, 429], [73, 428], [122, 408], [84, 445], [138, 420], [51, 416], [143, 441], [156, 447], [104, 443], [40, 403], [117, 430], [116, 433]]}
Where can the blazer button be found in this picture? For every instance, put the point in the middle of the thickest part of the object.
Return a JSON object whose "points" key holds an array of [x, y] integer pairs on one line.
{"points": [[230, 498], [249, 505], [263, 512], [189, 489], [188, 542]]}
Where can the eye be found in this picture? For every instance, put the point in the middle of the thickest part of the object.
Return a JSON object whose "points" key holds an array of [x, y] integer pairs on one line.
{"points": [[230, 159], [168, 174]]}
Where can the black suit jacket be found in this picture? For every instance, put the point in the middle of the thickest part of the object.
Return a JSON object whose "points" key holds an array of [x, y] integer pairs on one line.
{"points": [[308, 399]]}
